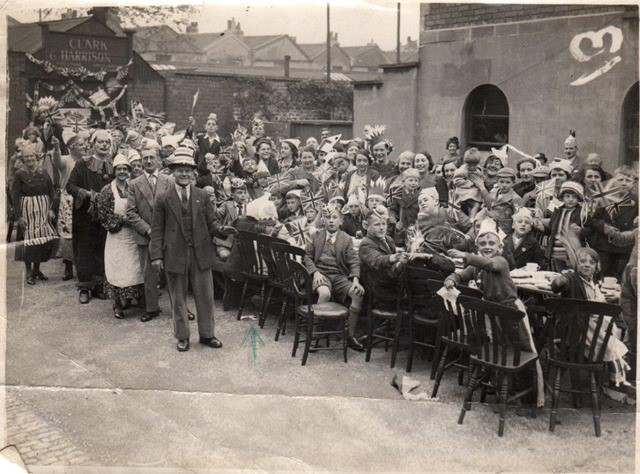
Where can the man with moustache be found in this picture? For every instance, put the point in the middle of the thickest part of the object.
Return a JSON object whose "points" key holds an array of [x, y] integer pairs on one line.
{"points": [[182, 234], [143, 192]]}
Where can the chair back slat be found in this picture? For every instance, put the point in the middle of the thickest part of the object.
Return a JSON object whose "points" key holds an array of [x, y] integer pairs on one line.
{"points": [[453, 320], [301, 281], [497, 329], [251, 259], [283, 254], [264, 244], [582, 329]]}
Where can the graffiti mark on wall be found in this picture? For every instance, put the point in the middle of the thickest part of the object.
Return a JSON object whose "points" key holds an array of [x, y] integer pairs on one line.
{"points": [[597, 47]]}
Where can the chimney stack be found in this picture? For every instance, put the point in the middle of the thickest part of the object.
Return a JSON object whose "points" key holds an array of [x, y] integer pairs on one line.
{"points": [[287, 60], [229, 22]]}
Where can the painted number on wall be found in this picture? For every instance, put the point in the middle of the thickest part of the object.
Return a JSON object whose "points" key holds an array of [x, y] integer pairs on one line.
{"points": [[595, 42]]}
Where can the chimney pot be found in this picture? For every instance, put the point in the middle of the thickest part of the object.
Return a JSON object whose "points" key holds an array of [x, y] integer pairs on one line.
{"points": [[228, 24]]}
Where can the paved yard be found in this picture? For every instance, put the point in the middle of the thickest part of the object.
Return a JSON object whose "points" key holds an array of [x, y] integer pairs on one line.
{"points": [[85, 389]]}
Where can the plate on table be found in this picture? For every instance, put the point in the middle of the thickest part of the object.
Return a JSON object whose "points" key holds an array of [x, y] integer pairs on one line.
{"points": [[542, 276], [521, 273]]}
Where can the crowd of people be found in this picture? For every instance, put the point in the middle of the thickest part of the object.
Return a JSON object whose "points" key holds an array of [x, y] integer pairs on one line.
{"points": [[136, 205]]}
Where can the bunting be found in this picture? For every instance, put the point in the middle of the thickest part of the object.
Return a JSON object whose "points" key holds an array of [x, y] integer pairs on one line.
{"points": [[80, 72]]}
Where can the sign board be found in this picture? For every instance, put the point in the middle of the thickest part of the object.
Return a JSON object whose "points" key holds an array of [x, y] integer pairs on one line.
{"points": [[96, 53]]}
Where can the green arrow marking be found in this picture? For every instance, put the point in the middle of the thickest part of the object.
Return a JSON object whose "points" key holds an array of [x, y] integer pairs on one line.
{"points": [[253, 333]]}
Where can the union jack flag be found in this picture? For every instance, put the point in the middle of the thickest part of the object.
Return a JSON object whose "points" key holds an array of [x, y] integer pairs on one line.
{"points": [[312, 199], [323, 172], [614, 208], [298, 231], [394, 193], [76, 122], [277, 183], [454, 208], [330, 186], [607, 194], [546, 188]]}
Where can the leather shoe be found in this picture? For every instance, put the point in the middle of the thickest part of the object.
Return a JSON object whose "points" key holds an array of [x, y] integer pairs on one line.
{"points": [[354, 344], [117, 312], [191, 316], [148, 316], [40, 276], [84, 297], [31, 280], [211, 342], [183, 346], [67, 276], [101, 295]]}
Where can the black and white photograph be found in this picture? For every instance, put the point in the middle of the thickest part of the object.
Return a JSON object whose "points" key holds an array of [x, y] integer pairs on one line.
{"points": [[319, 236]]}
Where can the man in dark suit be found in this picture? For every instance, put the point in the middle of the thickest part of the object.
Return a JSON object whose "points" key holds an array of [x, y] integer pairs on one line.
{"points": [[182, 234], [143, 192]]}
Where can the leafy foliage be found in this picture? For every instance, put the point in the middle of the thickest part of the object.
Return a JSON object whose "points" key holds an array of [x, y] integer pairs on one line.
{"points": [[256, 96], [177, 17], [326, 99]]}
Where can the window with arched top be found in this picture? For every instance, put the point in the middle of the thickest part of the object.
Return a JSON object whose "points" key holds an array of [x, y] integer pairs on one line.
{"points": [[486, 118], [631, 125]]}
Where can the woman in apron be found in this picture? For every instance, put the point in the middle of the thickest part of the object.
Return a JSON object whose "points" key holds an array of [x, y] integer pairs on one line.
{"points": [[32, 197], [121, 262]]}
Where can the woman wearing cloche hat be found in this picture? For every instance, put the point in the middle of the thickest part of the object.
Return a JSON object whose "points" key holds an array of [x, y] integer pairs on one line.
{"points": [[124, 279]]}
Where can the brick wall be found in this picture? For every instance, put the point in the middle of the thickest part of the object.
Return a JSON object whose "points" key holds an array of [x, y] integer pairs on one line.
{"points": [[17, 110], [217, 94], [436, 16]]}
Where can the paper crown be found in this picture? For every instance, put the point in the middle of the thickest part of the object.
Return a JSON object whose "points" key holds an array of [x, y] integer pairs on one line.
{"points": [[376, 134], [501, 153], [489, 226], [294, 142], [101, 135], [377, 188], [237, 183], [328, 143], [213, 117], [379, 211], [295, 192], [428, 193], [263, 209], [559, 163], [120, 160], [183, 156], [352, 201], [329, 208], [132, 155], [571, 139], [28, 148], [171, 140], [523, 213], [481, 215], [261, 170], [257, 121]]}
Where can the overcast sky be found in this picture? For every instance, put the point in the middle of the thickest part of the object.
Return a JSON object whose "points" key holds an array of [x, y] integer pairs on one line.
{"points": [[356, 21]]}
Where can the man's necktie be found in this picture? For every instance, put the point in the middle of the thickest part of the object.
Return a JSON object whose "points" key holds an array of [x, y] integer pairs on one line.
{"points": [[152, 183], [185, 198]]}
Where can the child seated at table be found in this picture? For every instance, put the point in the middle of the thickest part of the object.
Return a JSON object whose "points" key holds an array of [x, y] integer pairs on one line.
{"points": [[381, 265], [490, 270], [524, 247], [582, 284], [352, 221], [488, 267], [335, 268], [564, 227], [228, 213]]}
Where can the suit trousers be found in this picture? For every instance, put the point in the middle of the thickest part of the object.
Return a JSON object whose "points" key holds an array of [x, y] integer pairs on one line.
{"points": [[202, 287], [150, 279]]}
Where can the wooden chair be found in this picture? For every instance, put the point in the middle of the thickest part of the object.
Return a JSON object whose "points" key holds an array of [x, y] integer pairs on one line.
{"points": [[454, 332], [498, 349], [282, 253], [311, 318], [254, 269], [571, 347], [275, 280], [421, 312], [388, 311]]}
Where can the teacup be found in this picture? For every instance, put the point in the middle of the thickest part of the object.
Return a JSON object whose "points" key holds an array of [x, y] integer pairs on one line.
{"points": [[609, 282], [532, 267]]}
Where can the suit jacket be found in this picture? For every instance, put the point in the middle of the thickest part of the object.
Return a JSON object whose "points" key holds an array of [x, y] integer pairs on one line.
{"points": [[205, 146], [168, 238], [348, 261], [140, 203], [623, 221], [528, 250], [378, 271]]}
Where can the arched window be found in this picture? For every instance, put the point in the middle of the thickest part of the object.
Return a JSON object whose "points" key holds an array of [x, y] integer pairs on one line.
{"points": [[486, 118], [631, 125]]}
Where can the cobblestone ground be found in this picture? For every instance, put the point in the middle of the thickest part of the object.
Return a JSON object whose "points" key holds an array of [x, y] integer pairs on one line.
{"points": [[38, 442]]}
